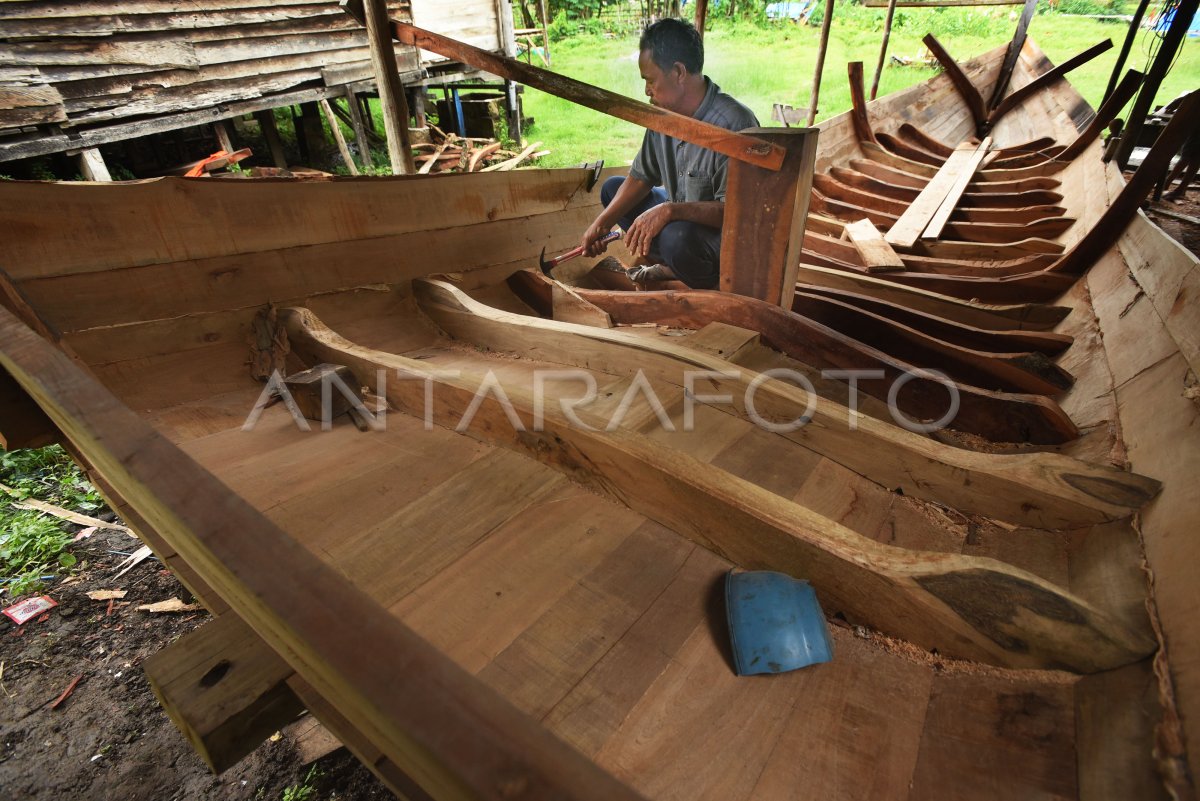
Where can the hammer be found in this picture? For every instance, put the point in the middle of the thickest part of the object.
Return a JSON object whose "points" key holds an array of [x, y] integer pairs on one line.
{"points": [[547, 266]]}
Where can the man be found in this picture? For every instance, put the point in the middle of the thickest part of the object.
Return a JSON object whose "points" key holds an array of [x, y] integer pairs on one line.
{"points": [[672, 204]]}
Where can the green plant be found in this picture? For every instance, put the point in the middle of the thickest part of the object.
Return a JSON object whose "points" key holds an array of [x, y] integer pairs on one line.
{"points": [[30, 545], [305, 790], [49, 475]]}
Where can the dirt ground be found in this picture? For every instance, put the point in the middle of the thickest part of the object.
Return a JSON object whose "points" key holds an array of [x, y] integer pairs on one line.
{"points": [[110, 739]]}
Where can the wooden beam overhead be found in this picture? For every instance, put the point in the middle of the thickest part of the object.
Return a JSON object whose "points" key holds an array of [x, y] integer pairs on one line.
{"points": [[749, 149]]}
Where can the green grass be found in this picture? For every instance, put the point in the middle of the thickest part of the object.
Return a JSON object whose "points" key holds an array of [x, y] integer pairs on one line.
{"points": [[32, 544], [765, 65]]}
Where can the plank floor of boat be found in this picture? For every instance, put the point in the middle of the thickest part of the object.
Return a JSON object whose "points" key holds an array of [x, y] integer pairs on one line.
{"points": [[609, 628]]}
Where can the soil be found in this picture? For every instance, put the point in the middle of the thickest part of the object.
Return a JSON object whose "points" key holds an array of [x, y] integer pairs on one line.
{"points": [[110, 739], [1186, 233]]}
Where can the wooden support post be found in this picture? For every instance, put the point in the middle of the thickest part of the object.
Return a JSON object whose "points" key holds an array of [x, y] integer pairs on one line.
{"points": [[701, 16], [368, 116], [1012, 53], [887, 34], [546, 29], [343, 148], [418, 108], [1135, 25], [222, 132], [270, 132], [391, 90], [310, 134], [92, 166], [821, 48], [360, 131], [763, 228], [223, 689], [1184, 13]]}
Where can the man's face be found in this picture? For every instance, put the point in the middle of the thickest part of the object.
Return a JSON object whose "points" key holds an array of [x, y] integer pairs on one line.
{"points": [[665, 89]]}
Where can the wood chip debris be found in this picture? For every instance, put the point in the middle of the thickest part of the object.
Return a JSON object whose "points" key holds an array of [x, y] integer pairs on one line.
{"points": [[106, 595], [169, 605], [453, 153], [134, 559], [34, 504]]}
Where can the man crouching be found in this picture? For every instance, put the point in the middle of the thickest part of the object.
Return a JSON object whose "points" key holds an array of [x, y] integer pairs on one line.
{"points": [[672, 204]]}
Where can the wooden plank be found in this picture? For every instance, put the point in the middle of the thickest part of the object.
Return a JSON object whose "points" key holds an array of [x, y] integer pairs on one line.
{"points": [[724, 341], [751, 150], [570, 308], [434, 721], [92, 165], [876, 253], [934, 598], [940, 217], [913, 222], [223, 689], [763, 225]]}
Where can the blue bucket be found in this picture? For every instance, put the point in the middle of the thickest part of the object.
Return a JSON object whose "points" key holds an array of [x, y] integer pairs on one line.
{"points": [[775, 623]]}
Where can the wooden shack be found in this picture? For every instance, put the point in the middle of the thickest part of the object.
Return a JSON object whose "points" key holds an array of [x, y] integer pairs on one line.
{"points": [[75, 76]]}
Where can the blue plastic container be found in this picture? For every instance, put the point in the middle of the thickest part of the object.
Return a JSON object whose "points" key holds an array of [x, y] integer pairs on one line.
{"points": [[775, 623]]}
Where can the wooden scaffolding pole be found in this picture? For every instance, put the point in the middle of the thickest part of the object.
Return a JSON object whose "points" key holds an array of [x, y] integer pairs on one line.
{"points": [[343, 148], [701, 16], [1135, 25], [1184, 13], [816, 87], [391, 91], [887, 34]]}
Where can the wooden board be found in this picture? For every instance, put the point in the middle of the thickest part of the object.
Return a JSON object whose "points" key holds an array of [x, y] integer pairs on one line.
{"points": [[913, 222], [876, 253]]}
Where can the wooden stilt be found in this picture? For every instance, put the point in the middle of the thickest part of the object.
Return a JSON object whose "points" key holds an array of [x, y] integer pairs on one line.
{"points": [[391, 90], [360, 131], [887, 34], [816, 87], [338, 137], [310, 133], [418, 108], [92, 166], [764, 219], [222, 132], [270, 131]]}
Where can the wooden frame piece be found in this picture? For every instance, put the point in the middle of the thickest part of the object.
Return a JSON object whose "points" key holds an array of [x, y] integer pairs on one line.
{"points": [[936, 600], [966, 89], [858, 111], [908, 229], [1045, 79], [1012, 53], [1107, 112], [454, 736], [763, 228]]}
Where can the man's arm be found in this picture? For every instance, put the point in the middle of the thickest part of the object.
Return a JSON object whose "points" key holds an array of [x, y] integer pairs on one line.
{"points": [[651, 222], [631, 193]]}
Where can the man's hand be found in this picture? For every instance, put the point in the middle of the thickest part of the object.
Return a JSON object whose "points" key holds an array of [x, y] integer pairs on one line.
{"points": [[591, 244], [648, 225]]}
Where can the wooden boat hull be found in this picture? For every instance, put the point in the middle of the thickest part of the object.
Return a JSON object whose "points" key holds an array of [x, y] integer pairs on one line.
{"points": [[525, 599]]}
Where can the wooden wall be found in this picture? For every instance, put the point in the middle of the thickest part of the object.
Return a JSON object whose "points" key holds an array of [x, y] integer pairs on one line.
{"points": [[91, 63]]}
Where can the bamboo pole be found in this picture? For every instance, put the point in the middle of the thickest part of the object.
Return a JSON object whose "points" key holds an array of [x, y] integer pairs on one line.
{"points": [[887, 34], [816, 88], [337, 136], [391, 91]]}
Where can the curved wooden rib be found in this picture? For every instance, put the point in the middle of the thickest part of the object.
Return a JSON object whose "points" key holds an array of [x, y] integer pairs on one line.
{"points": [[1107, 112], [1013, 200], [1038, 287], [989, 341], [984, 251], [826, 245], [833, 189], [992, 317], [936, 600], [1039, 83], [1020, 215], [1005, 232], [976, 189], [911, 152], [966, 89], [915, 136], [848, 212], [1028, 159], [858, 103], [942, 466], [854, 187], [1033, 145], [993, 415], [887, 158], [1006, 372]]}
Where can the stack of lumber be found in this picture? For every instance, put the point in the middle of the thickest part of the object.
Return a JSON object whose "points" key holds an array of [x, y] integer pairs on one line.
{"points": [[453, 153]]}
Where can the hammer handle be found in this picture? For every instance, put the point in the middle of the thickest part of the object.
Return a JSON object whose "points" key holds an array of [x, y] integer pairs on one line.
{"points": [[575, 251]]}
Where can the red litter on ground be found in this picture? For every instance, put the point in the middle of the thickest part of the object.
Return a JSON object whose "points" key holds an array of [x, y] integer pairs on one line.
{"points": [[30, 608]]}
